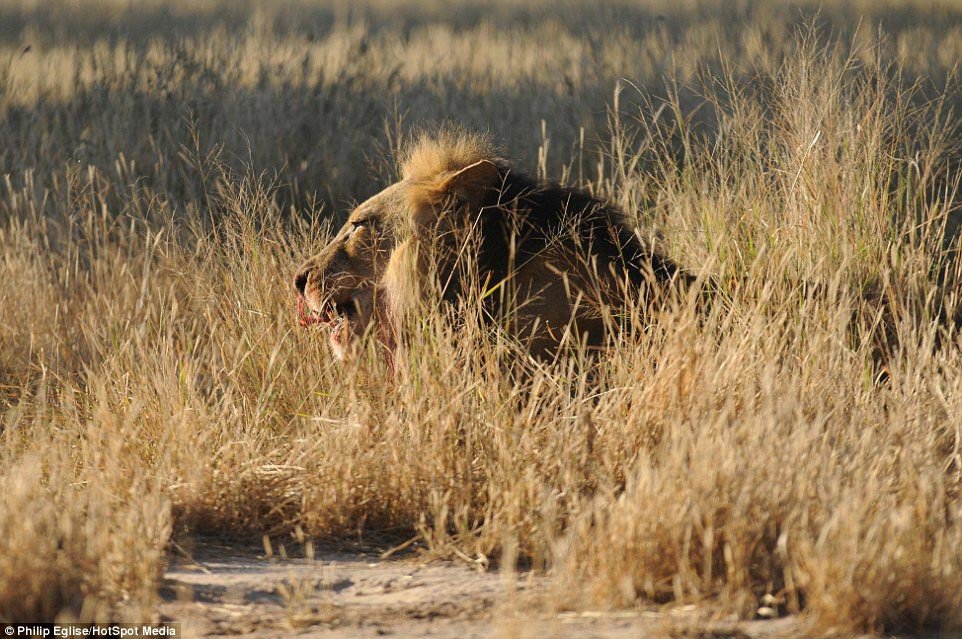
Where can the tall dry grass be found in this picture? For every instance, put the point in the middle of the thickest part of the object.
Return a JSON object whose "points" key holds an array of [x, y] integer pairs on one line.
{"points": [[164, 170]]}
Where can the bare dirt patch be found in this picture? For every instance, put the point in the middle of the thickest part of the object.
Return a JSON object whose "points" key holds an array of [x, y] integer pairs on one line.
{"points": [[221, 590]]}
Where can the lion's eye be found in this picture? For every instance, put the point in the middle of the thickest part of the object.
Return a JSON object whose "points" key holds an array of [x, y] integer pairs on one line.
{"points": [[360, 224]]}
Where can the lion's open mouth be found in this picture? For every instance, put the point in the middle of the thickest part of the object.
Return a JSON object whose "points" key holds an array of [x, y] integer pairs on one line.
{"points": [[331, 313], [340, 318]]}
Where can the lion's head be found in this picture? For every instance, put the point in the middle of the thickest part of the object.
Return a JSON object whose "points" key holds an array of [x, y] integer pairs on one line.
{"points": [[339, 287]]}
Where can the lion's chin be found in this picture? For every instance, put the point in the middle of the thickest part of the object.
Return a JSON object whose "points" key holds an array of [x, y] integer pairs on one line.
{"points": [[340, 337]]}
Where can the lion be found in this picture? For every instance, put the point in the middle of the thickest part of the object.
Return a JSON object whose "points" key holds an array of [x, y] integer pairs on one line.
{"points": [[552, 265]]}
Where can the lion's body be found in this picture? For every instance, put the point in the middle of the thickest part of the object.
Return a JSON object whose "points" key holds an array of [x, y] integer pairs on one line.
{"points": [[551, 263], [548, 263]]}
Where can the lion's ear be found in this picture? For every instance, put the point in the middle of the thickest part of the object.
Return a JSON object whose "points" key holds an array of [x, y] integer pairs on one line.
{"points": [[472, 181]]}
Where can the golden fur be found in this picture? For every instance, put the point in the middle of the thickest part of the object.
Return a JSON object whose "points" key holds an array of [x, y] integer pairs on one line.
{"points": [[432, 156]]}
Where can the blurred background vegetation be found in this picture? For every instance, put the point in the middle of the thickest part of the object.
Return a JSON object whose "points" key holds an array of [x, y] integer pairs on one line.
{"points": [[317, 93]]}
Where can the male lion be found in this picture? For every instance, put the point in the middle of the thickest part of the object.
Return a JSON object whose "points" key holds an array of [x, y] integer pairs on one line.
{"points": [[550, 264]]}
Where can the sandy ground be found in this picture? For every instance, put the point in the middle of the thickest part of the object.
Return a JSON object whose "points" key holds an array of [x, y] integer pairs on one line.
{"points": [[217, 590]]}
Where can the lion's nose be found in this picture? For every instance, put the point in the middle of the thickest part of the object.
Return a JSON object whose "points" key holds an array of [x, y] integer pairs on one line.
{"points": [[300, 280]]}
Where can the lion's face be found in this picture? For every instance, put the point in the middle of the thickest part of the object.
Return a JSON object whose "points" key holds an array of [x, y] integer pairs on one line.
{"points": [[339, 287], [336, 288]]}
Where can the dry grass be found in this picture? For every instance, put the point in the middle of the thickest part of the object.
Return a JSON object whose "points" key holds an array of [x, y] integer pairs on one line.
{"points": [[164, 168]]}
